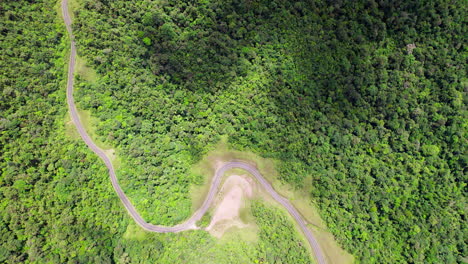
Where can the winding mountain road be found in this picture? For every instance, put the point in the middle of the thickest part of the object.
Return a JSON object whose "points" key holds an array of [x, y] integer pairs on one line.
{"points": [[191, 222]]}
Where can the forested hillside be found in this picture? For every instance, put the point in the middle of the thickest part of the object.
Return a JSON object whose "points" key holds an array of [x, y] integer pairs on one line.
{"points": [[56, 201], [365, 101]]}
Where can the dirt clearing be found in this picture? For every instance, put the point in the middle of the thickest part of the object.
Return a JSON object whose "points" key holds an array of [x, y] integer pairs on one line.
{"points": [[231, 199]]}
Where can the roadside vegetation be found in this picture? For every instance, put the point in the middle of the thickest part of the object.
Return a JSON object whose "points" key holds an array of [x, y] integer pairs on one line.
{"points": [[362, 104], [56, 204], [362, 101]]}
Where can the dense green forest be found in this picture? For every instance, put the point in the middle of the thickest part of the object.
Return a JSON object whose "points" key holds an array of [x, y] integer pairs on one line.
{"points": [[365, 101], [57, 203]]}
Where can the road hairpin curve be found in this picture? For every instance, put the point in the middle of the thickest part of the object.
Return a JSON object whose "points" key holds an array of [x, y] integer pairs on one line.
{"points": [[190, 223]]}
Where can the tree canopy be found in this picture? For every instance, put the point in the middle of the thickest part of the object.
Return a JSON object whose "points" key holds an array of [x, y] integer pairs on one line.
{"points": [[362, 103]]}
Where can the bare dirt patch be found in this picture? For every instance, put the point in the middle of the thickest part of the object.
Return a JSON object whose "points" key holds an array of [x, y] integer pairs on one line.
{"points": [[231, 199]]}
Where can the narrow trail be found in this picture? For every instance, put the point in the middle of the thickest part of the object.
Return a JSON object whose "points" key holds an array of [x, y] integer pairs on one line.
{"points": [[191, 222]]}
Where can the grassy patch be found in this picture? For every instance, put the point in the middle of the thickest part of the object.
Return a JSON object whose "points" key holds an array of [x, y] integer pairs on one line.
{"points": [[135, 232], [333, 251], [89, 122], [247, 234], [244, 214], [70, 129], [87, 73], [74, 5], [205, 220]]}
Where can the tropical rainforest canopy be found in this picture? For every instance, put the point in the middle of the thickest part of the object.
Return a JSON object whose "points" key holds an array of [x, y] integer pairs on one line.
{"points": [[361, 102]]}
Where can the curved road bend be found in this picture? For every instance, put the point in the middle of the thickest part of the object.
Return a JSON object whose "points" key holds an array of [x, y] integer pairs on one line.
{"points": [[191, 222]]}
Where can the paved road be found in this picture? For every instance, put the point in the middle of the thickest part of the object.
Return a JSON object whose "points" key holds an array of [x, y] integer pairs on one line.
{"points": [[191, 222]]}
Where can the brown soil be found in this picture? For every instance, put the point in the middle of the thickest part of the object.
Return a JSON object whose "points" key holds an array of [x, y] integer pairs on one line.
{"points": [[230, 201]]}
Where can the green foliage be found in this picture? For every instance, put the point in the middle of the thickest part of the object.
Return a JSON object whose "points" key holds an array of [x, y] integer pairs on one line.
{"points": [[335, 91], [56, 202], [200, 247], [278, 236], [430, 150], [205, 220], [147, 41]]}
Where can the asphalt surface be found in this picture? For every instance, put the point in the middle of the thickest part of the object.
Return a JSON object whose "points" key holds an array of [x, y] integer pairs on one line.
{"points": [[191, 222]]}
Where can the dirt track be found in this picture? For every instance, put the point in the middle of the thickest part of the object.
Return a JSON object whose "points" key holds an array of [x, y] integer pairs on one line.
{"points": [[191, 222]]}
